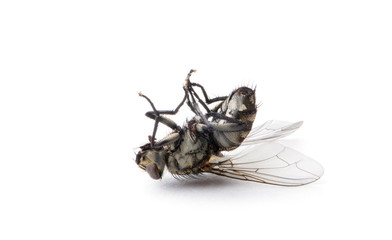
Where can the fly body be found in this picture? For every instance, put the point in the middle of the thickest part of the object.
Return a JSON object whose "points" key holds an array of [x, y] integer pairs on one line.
{"points": [[204, 143]]}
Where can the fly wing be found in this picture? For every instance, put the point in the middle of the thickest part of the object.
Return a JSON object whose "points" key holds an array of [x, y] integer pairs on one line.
{"points": [[270, 130], [270, 163]]}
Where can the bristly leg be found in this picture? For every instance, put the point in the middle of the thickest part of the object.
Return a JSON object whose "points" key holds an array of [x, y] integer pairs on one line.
{"points": [[189, 87], [192, 103], [192, 96], [207, 99], [156, 115]]}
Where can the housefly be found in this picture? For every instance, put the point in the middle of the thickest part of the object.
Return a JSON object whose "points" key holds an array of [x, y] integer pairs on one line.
{"points": [[222, 140]]}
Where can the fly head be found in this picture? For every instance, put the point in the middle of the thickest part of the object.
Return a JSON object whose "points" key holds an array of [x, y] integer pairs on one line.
{"points": [[152, 161]]}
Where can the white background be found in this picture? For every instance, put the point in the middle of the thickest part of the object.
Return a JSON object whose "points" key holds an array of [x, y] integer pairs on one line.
{"points": [[71, 119]]}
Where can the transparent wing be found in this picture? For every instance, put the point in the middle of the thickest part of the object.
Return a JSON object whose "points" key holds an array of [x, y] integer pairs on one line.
{"points": [[270, 130], [270, 163]]}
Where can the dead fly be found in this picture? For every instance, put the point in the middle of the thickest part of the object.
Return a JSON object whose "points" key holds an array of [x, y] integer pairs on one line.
{"points": [[198, 146]]}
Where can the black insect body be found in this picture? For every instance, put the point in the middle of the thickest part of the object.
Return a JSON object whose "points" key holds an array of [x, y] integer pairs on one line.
{"points": [[198, 146]]}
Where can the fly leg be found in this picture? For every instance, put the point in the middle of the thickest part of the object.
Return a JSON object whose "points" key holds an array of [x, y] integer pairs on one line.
{"points": [[195, 107], [189, 87], [207, 99], [156, 115], [192, 101], [210, 113], [192, 96]]}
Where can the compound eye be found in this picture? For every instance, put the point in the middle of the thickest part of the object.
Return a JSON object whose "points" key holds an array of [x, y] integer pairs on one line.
{"points": [[153, 171], [138, 158]]}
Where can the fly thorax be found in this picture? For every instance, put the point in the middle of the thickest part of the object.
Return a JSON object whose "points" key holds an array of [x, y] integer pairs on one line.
{"points": [[190, 153]]}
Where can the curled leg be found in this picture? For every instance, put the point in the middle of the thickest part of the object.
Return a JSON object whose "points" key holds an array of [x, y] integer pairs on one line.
{"points": [[193, 99], [156, 115], [189, 85], [207, 99]]}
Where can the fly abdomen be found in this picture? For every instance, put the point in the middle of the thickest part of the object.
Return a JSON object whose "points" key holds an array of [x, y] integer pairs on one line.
{"points": [[240, 105]]}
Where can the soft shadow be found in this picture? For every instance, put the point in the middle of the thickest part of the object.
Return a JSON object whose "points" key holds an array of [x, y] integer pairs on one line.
{"points": [[207, 181], [214, 189]]}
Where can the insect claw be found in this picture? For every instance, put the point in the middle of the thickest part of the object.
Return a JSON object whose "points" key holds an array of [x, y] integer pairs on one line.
{"points": [[187, 81], [150, 138]]}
